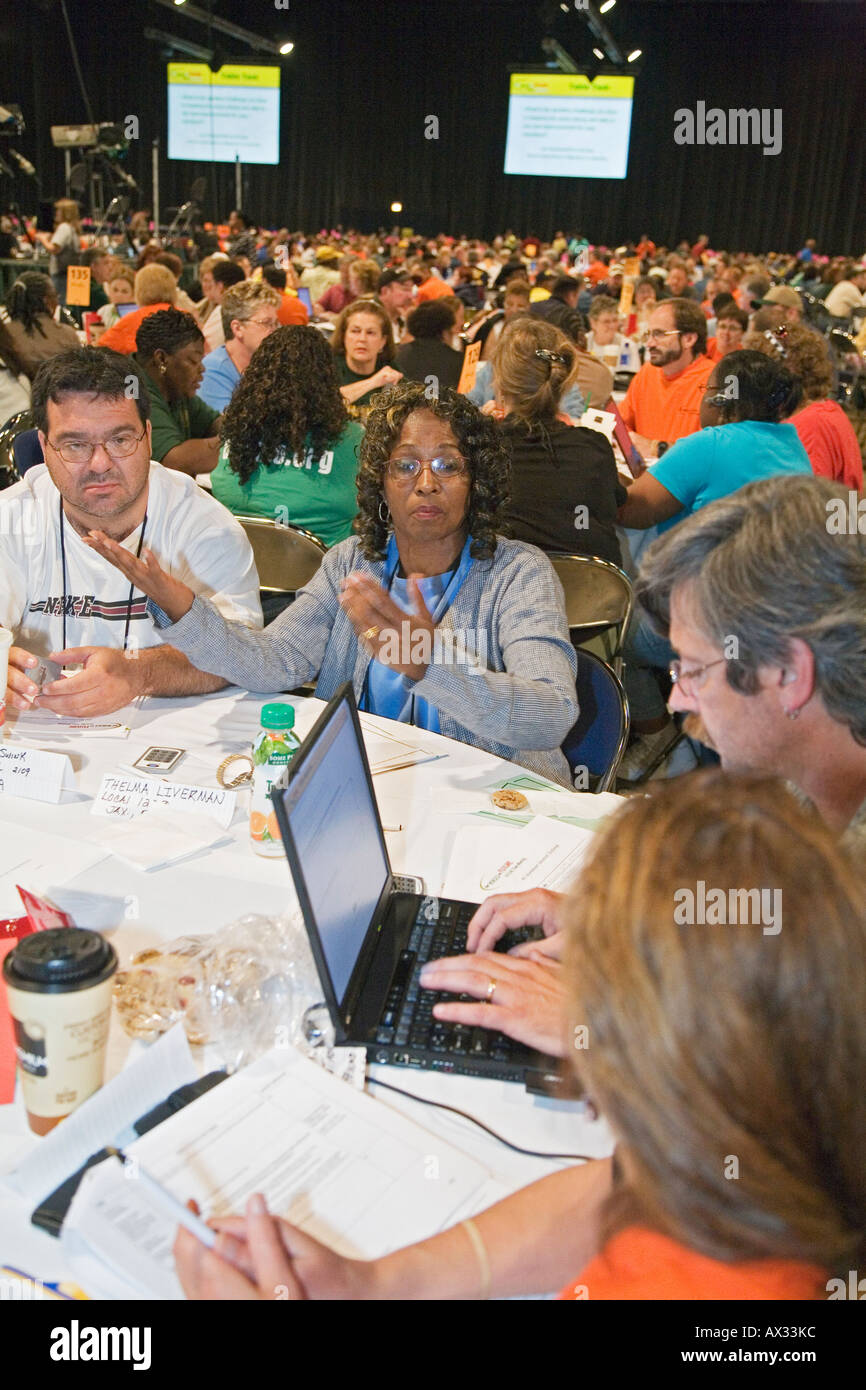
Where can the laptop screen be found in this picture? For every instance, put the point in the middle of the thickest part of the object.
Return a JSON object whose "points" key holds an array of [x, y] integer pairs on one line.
{"points": [[334, 823], [304, 297]]}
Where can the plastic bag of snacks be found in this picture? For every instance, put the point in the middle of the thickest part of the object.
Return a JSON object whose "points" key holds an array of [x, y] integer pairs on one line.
{"points": [[244, 989]]}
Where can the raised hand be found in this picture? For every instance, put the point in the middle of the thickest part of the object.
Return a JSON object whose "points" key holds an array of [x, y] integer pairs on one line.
{"points": [[401, 640], [175, 599]]}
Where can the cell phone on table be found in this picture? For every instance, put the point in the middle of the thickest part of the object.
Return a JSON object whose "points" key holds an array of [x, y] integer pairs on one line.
{"points": [[636, 464], [408, 883], [159, 759]]}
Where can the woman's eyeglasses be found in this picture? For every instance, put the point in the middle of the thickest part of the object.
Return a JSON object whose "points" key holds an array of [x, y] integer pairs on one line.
{"points": [[690, 681], [117, 446], [402, 470]]}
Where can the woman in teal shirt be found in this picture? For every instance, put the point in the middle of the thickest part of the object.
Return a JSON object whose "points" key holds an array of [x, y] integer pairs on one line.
{"points": [[290, 451]]}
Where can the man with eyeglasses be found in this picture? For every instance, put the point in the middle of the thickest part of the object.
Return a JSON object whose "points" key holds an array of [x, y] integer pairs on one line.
{"points": [[250, 314], [62, 601], [662, 403], [761, 596]]}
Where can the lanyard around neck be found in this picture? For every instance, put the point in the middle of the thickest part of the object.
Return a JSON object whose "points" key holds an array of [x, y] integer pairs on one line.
{"points": [[131, 587]]}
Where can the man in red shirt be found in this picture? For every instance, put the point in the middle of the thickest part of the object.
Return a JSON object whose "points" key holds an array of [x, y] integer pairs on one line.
{"points": [[663, 401]]}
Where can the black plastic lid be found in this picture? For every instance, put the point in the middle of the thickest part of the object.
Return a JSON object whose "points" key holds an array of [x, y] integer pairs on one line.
{"points": [[59, 960]]}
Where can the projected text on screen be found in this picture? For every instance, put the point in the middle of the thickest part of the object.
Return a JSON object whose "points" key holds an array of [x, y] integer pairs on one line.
{"points": [[226, 115], [568, 126]]}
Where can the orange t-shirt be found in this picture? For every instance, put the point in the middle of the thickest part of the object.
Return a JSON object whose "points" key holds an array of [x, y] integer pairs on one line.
{"points": [[121, 335], [433, 288], [597, 272], [666, 407], [642, 1264], [828, 437], [291, 310]]}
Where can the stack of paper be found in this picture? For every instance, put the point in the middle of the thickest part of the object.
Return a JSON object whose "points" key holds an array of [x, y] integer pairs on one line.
{"points": [[345, 1168]]}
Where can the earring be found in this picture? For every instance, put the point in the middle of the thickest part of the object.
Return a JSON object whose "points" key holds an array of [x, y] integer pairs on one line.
{"points": [[162, 369], [387, 517], [792, 714]]}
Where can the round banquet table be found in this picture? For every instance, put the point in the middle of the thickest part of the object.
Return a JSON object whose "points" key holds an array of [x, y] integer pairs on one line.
{"points": [[214, 887]]}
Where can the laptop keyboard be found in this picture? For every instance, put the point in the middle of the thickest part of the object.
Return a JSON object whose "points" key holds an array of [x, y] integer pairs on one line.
{"points": [[407, 1018]]}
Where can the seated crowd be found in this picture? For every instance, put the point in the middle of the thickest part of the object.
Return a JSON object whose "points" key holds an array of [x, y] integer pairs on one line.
{"points": [[439, 486]]}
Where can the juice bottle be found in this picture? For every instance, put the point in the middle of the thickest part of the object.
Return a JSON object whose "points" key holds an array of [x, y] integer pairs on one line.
{"points": [[275, 745]]}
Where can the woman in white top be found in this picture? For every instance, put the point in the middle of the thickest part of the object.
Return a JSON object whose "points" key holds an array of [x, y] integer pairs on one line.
{"points": [[64, 243]]}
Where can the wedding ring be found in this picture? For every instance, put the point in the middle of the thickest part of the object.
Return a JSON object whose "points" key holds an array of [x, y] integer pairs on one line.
{"points": [[491, 990], [370, 634]]}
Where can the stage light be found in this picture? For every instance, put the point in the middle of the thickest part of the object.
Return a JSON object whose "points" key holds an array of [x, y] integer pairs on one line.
{"points": [[608, 5], [286, 47], [180, 2], [599, 55], [634, 55], [396, 207], [564, 8]]}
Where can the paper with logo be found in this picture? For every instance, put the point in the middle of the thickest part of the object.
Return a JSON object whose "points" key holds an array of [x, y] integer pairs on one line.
{"points": [[34, 774], [124, 797], [37, 725], [485, 859]]}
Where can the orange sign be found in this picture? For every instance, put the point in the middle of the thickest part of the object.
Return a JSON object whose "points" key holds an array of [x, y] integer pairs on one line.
{"points": [[78, 284], [625, 299], [632, 265], [470, 367]]}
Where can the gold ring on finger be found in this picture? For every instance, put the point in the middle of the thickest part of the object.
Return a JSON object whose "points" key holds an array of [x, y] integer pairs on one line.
{"points": [[491, 990], [370, 634]]}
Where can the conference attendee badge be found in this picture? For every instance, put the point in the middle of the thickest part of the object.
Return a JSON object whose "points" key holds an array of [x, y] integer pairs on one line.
{"points": [[78, 284], [470, 367], [35, 774]]}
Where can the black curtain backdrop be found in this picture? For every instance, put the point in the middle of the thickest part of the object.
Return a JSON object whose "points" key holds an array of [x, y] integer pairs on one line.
{"points": [[363, 78]]}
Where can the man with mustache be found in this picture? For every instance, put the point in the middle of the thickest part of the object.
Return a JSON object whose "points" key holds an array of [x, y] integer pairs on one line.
{"points": [[62, 602]]}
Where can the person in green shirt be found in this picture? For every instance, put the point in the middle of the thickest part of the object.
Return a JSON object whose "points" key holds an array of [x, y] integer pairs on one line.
{"points": [[289, 449], [169, 351]]}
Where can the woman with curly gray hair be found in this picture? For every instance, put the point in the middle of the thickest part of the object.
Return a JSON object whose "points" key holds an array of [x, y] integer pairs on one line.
{"points": [[435, 619]]}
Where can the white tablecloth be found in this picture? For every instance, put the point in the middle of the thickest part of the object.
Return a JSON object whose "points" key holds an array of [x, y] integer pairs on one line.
{"points": [[210, 890]]}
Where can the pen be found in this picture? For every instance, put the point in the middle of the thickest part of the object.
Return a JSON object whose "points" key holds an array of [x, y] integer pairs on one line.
{"points": [[181, 1214]]}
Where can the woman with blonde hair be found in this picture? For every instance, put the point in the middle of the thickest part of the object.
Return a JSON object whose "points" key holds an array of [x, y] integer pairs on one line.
{"points": [[565, 493], [155, 289], [64, 243], [724, 1046]]}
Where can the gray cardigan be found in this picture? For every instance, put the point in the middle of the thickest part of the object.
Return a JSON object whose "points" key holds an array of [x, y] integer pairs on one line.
{"points": [[516, 698]]}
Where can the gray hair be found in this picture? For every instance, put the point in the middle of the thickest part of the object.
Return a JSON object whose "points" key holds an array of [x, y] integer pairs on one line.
{"points": [[774, 561], [241, 301]]}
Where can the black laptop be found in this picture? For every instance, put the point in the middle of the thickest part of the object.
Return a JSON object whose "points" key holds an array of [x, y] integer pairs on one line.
{"points": [[370, 939]]}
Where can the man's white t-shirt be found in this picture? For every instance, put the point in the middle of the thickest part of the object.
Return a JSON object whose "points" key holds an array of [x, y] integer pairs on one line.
{"points": [[194, 538]]}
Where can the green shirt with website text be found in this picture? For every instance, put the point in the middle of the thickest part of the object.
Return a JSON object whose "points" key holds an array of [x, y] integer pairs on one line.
{"points": [[316, 493]]}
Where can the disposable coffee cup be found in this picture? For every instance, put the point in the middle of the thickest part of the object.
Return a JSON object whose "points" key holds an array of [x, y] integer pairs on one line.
{"points": [[5, 644], [58, 984]]}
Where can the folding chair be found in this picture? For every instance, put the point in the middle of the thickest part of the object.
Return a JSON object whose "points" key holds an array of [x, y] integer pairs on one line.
{"points": [[596, 743], [598, 603], [15, 428]]}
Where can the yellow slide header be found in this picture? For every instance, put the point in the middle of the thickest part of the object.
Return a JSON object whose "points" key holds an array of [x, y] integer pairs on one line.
{"points": [[568, 84], [230, 75]]}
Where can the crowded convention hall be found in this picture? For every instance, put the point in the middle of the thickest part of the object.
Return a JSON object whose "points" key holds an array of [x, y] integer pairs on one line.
{"points": [[433, 641]]}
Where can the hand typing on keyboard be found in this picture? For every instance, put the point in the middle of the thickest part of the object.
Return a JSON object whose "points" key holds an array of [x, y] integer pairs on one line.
{"points": [[526, 1003], [509, 912]]}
